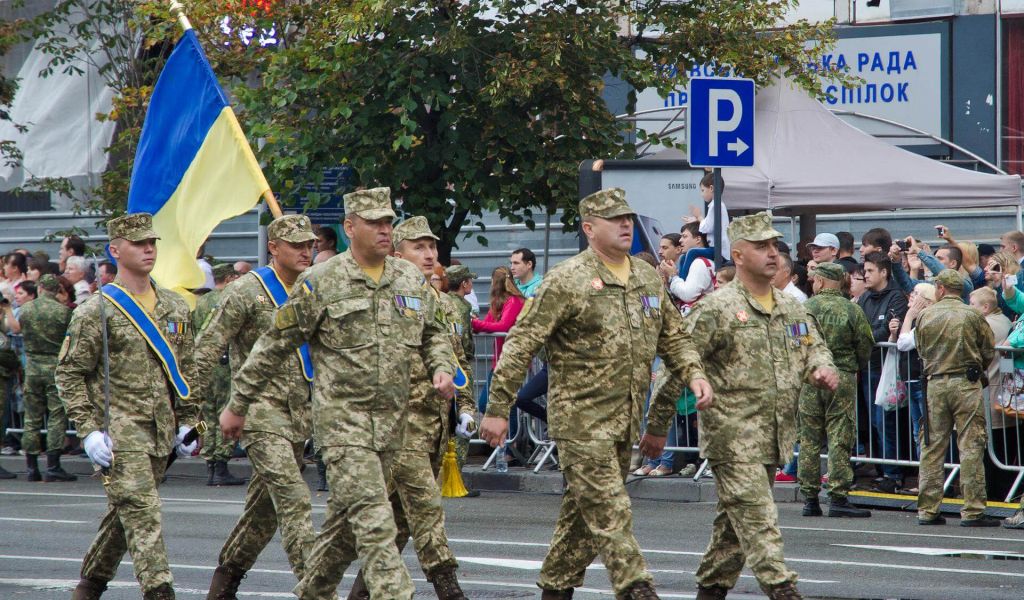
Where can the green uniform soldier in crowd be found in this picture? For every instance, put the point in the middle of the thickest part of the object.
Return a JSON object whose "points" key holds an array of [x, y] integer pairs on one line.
{"points": [[460, 283], [364, 314], [128, 424], [44, 323], [415, 495], [274, 425], [956, 345], [758, 345], [827, 414], [216, 448], [602, 316]]}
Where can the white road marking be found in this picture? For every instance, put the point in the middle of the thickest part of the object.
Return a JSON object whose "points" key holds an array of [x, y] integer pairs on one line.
{"points": [[42, 521], [932, 551], [1016, 540]]}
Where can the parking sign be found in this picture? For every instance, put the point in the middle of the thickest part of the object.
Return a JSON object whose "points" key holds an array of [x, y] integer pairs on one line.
{"points": [[720, 122]]}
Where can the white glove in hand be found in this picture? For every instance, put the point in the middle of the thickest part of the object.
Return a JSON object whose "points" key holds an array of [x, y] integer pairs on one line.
{"points": [[179, 447], [466, 426], [99, 448]]}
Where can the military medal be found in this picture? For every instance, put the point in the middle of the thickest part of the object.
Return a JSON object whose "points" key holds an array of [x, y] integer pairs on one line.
{"points": [[742, 316], [597, 284]]}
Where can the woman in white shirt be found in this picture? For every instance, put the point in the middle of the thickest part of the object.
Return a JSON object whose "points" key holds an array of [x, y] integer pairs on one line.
{"points": [[699, 280]]}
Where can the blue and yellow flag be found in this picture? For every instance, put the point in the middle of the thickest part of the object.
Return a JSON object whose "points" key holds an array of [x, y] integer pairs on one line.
{"points": [[193, 167]]}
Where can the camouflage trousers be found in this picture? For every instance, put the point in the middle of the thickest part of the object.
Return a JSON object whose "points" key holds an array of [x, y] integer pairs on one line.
{"points": [[416, 500], [745, 529], [461, 450], [215, 445], [277, 497], [42, 400], [956, 403], [596, 518], [359, 523], [132, 523], [827, 414]]}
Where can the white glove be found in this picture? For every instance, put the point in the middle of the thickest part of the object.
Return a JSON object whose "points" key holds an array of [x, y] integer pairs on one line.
{"points": [[99, 448], [466, 426], [182, 449]]}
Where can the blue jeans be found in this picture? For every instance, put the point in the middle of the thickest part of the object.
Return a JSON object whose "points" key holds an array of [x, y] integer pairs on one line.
{"points": [[884, 423], [527, 395], [667, 458], [790, 468], [915, 392]]}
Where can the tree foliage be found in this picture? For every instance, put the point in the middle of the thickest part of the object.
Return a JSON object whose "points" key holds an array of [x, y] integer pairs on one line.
{"points": [[460, 106]]}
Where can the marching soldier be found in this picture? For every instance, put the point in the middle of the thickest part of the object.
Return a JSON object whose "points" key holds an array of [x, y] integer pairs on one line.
{"points": [[415, 496], [824, 413], [363, 314], [956, 344], [216, 448], [44, 322], [602, 316], [460, 283], [758, 346], [273, 425], [128, 423]]}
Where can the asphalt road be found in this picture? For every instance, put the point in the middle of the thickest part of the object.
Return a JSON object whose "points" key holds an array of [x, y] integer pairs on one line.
{"points": [[501, 539]]}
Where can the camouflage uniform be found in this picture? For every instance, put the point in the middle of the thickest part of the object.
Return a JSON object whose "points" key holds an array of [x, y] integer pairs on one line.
{"points": [[415, 495], [464, 325], [277, 423], [44, 322], [846, 332], [216, 394], [362, 335], [952, 337], [601, 337], [755, 362], [144, 415]]}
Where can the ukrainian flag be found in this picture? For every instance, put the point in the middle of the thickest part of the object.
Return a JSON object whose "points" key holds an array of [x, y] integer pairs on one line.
{"points": [[193, 167]]}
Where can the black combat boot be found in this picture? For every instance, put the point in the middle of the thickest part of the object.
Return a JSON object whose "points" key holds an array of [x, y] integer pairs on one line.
{"points": [[556, 594], [89, 589], [53, 470], [221, 475], [784, 591], [446, 584], [164, 591], [225, 583], [841, 507], [321, 475], [32, 468], [358, 591], [714, 592], [812, 508]]}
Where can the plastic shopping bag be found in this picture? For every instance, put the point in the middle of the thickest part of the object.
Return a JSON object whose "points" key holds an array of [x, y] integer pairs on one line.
{"points": [[892, 391]]}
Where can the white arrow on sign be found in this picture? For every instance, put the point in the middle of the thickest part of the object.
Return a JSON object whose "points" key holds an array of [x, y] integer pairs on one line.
{"points": [[738, 147]]}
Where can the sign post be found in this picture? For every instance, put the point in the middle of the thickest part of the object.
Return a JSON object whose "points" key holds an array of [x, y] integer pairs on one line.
{"points": [[720, 133]]}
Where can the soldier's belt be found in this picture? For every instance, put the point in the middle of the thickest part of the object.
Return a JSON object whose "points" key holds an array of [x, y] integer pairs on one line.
{"points": [[947, 376]]}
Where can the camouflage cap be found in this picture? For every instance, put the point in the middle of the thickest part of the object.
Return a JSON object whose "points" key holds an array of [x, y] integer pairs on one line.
{"points": [[752, 228], [830, 271], [135, 227], [222, 270], [49, 283], [291, 228], [607, 204], [948, 278], [370, 204], [457, 274], [413, 228]]}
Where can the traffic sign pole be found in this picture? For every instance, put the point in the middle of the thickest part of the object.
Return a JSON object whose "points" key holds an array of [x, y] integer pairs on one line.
{"points": [[716, 206]]}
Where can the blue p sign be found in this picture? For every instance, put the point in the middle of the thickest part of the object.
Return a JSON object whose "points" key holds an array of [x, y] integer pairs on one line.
{"points": [[720, 122]]}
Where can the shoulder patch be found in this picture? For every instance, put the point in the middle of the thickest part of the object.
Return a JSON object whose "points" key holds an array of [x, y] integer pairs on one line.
{"points": [[286, 318]]}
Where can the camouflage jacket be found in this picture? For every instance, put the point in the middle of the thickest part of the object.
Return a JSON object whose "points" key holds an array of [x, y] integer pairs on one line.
{"points": [[204, 308], [844, 328], [44, 322], [144, 409], [427, 417], [362, 336], [601, 339], [951, 337], [756, 362], [465, 326], [242, 313]]}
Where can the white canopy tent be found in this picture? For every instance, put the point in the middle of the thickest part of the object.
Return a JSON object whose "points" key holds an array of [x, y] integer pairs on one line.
{"points": [[807, 160]]}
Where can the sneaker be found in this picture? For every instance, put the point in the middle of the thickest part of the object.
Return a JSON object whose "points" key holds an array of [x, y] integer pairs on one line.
{"points": [[9, 451], [689, 470], [1016, 521], [661, 471], [643, 471], [885, 485], [782, 477], [982, 521], [708, 474]]}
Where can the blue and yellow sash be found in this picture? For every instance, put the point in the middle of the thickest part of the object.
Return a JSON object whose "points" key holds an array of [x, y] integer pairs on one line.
{"points": [[275, 289], [150, 331]]}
